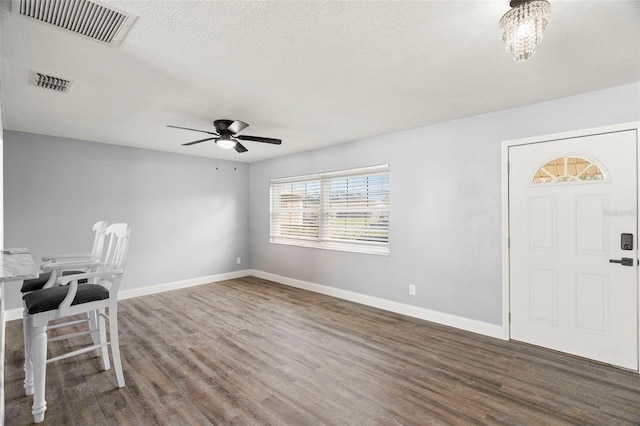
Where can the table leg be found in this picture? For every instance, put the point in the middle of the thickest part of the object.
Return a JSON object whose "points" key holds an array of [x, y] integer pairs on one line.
{"points": [[2, 344]]}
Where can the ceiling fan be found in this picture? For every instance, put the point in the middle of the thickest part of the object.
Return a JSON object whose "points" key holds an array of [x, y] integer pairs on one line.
{"points": [[226, 135]]}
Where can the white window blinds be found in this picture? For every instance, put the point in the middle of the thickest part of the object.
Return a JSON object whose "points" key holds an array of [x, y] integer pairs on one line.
{"points": [[346, 210], [295, 210]]}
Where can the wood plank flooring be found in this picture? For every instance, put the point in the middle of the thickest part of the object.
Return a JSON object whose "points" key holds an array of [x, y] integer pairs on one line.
{"points": [[252, 352]]}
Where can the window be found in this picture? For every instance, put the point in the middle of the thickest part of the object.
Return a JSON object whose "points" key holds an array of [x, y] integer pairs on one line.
{"points": [[346, 210], [568, 169]]}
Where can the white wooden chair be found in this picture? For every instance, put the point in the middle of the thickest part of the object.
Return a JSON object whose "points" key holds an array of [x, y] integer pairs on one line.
{"points": [[68, 299], [47, 279]]}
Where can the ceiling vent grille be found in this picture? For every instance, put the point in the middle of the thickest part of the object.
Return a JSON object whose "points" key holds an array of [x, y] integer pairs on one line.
{"points": [[49, 82], [83, 17]]}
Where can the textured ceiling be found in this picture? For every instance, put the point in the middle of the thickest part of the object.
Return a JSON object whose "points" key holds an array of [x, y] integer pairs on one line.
{"points": [[313, 73]]}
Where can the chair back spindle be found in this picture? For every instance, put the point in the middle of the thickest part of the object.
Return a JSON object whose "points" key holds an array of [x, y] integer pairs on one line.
{"points": [[100, 229]]}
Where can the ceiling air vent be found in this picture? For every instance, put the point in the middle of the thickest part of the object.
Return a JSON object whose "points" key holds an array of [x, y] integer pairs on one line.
{"points": [[50, 82], [84, 17]]}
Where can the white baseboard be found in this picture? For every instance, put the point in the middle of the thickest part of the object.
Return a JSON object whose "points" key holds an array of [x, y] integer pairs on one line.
{"points": [[474, 326], [177, 285], [487, 329], [15, 314]]}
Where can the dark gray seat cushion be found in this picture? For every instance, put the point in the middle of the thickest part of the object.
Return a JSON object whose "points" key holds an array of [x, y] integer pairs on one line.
{"points": [[38, 283], [49, 299]]}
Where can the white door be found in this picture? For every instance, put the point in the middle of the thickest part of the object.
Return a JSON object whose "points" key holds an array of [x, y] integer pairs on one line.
{"points": [[570, 202]]}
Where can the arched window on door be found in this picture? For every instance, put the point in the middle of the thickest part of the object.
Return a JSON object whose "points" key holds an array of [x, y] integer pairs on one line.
{"points": [[569, 169]]}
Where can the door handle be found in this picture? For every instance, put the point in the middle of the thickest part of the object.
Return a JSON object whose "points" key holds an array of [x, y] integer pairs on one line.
{"points": [[625, 261]]}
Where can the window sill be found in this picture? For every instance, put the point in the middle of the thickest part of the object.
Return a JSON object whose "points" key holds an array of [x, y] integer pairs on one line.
{"points": [[380, 250]]}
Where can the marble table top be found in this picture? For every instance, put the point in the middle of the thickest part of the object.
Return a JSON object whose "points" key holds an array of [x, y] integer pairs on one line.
{"points": [[17, 264]]}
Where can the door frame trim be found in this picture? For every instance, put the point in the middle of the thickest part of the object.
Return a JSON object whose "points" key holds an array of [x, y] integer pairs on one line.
{"points": [[504, 178]]}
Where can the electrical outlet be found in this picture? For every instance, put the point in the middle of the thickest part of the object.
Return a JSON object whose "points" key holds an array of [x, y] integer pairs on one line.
{"points": [[412, 290], [238, 260]]}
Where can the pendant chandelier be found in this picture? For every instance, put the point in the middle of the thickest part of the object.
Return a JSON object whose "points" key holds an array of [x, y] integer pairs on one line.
{"points": [[523, 25]]}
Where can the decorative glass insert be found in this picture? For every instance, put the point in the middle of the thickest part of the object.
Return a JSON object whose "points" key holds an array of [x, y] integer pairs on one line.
{"points": [[568, 169]]}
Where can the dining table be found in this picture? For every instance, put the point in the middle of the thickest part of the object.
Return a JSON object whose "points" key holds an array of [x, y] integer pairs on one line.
{"points": [[16, 264]]}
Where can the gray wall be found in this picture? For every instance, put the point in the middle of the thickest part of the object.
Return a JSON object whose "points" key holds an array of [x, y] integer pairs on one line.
{"points": [[188, 219], [445, 205]]}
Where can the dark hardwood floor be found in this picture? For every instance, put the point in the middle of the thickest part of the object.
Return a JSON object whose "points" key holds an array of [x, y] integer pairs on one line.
{"points": [[252, 352]]}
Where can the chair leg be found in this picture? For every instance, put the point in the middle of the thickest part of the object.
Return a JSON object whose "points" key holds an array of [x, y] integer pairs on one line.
{"points": [[115, 343], [93, 326], [39, 357], [28, 362], [99, 335]]}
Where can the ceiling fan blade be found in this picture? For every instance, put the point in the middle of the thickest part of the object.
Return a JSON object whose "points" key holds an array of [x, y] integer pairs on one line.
{"points": [[240, 148], [221, 126], [259, 139], [195, 130], [198, 141], [237, 126]]}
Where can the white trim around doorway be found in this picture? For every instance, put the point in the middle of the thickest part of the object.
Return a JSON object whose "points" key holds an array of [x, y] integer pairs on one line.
{"points": [[504, 162]]}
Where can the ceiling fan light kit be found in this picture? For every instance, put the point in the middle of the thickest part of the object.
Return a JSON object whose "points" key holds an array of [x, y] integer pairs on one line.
{"points": [[523, 25], [225, 142], [227, 135]]}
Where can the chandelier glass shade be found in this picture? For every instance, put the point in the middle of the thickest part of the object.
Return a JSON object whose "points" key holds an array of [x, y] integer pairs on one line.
{"points": [[523, 25]]}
